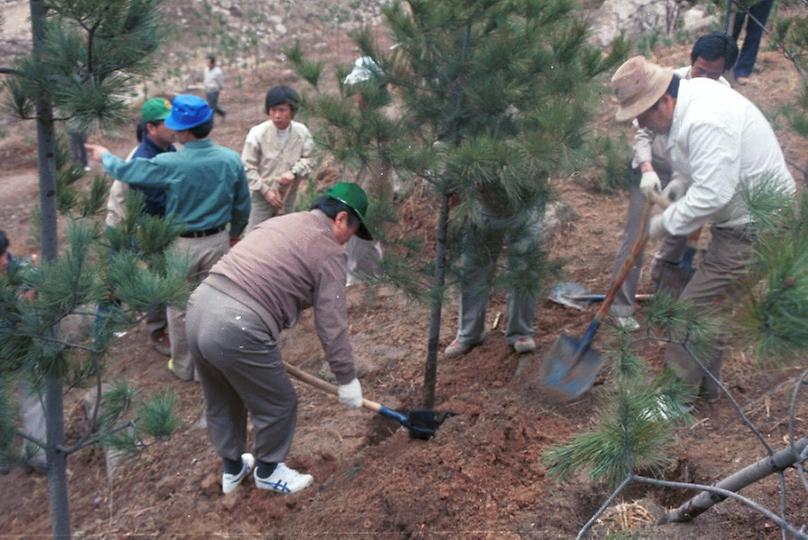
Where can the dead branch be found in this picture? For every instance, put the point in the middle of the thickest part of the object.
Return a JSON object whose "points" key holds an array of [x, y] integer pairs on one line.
{"points": [[748, 475], [714, 491], [791, 410]]}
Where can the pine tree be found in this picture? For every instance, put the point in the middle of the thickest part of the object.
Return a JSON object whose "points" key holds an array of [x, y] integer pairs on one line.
{"points": [[86, 55], [492, 97]]}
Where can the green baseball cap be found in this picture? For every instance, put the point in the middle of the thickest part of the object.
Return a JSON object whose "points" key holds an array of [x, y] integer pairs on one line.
{"points": [[356, 199], [155, 109]]}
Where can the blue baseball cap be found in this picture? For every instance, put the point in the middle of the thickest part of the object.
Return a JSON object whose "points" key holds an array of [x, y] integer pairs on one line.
{"points": [[188, 111]]}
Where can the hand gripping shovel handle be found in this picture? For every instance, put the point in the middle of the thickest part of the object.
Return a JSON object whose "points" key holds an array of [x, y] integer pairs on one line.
{"points": [[316, 382]]}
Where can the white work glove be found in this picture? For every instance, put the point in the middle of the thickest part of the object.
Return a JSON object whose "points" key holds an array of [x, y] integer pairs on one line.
{"points": [[655, 229], [350, 394], [650, 183], [675, 189]]}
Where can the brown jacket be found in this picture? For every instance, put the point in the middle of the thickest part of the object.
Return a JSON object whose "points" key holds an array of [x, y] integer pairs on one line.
{"points": [[288, 264]]}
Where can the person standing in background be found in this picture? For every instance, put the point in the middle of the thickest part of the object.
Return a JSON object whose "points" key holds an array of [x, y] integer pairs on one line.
{"points": [[206, 189], [153, 138], [368, 88], [755, 18], [277, 154], [214, 83]]}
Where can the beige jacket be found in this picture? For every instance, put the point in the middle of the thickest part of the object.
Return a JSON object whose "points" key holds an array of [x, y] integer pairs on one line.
{"points": [[265, 158], [116, 201], [285, 265]]}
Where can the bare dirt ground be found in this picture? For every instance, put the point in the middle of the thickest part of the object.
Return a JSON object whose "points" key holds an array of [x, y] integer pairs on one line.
{"points": [[482, 476]]}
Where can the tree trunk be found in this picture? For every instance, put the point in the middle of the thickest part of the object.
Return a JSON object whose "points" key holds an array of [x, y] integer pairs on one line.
{"points": [[54, 406], [749, 475], [46, 145], [438, 281]]}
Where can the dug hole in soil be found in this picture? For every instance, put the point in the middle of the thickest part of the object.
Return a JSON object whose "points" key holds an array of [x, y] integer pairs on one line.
{"points": [[482, 475]]}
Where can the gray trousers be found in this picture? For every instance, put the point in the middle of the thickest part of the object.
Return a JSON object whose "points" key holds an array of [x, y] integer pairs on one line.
{"points": [[670, 254], [717, 278], [241, 371], [364, 259], [202, 254], [77, 150], [33, 421], [365, 256], [482, 245]]}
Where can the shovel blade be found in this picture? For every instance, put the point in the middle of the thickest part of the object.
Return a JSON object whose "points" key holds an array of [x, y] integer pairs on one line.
{"points": [[422, 424], [566, 372], [565, 293]]}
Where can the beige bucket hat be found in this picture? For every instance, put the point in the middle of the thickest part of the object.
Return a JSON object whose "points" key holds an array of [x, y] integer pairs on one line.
{"points": [[638, 84]]}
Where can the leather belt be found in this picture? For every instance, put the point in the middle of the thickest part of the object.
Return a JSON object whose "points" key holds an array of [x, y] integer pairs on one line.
{"points": [[202, 234]]}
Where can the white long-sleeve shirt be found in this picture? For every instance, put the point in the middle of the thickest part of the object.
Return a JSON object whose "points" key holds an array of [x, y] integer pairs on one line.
{"points": [[719, 139], [647, 144], [214, 79]]}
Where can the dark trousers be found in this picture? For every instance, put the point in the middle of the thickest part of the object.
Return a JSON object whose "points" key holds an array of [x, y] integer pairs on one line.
{"points": [[751, 41], [213, 101], [77, 150]]}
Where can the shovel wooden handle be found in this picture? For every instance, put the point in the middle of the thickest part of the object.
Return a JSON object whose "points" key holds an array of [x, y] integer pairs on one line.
{"points": [[316, 382], [636, 249], [659, 200]]}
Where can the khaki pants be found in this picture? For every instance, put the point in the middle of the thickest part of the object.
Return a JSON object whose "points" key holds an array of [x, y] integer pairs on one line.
{"points": [[202, 254], [261, 210], [717, 278], [482, 245], [241, 371]]}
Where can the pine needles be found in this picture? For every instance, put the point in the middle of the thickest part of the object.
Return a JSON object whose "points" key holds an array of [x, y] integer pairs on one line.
{"points": [[775, 308]]}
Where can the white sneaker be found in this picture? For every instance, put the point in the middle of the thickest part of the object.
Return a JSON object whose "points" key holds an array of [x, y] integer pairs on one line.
{"points": [[524, 344], [283, 480], [629, 323], [232, 481]]}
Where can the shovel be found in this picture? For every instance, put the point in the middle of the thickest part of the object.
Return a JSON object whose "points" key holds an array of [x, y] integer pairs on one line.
{"points": [[572, 364], [576, 296], [422, 424]]}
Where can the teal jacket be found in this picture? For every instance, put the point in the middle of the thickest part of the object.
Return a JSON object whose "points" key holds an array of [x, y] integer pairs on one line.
{"points": [[205, 184]]}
